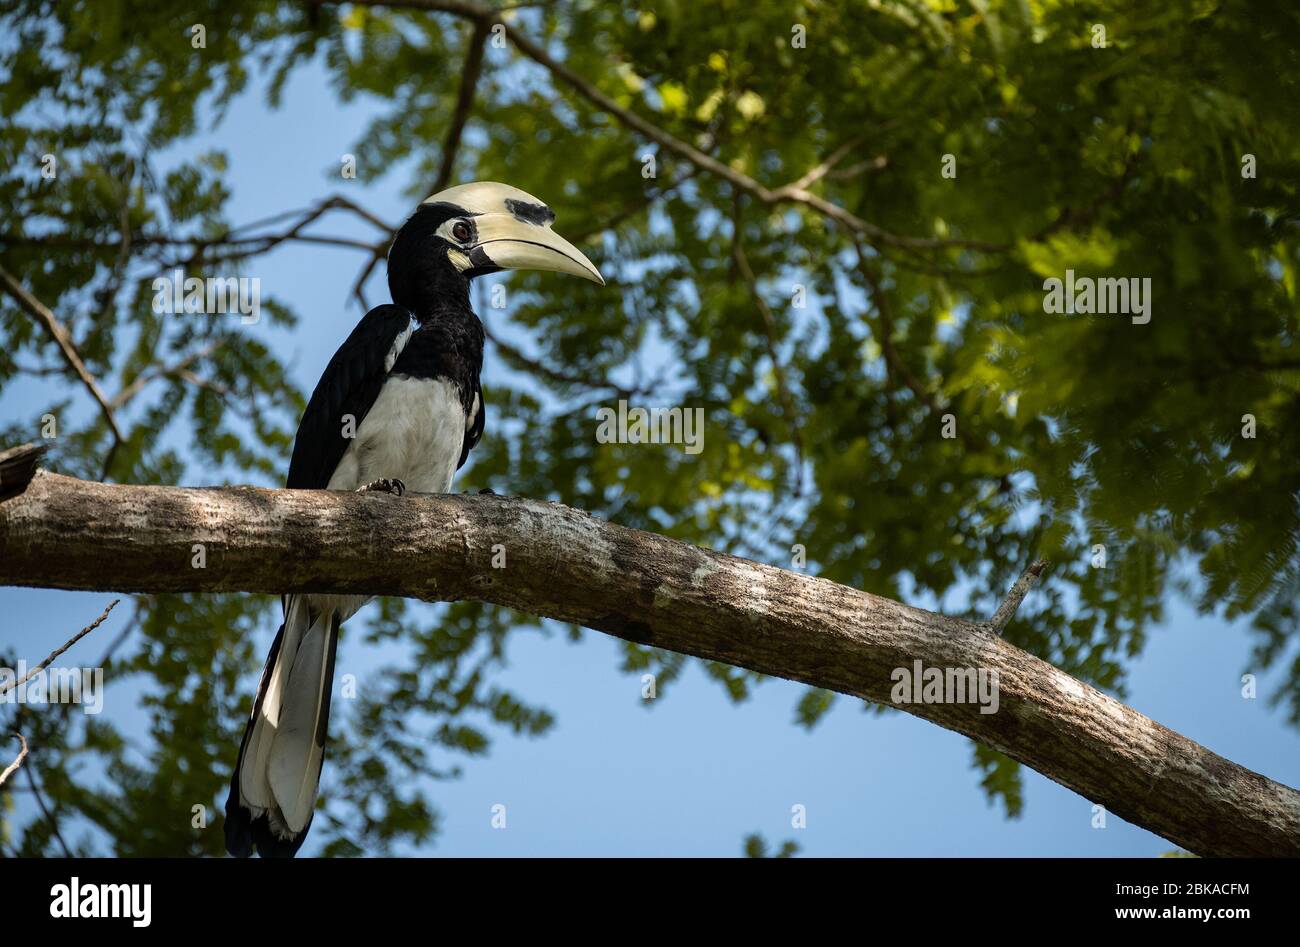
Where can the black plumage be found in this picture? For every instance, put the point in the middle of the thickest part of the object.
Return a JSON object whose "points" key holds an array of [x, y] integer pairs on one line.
{"points": [[449, 344], [401, 398], [348, 387]]}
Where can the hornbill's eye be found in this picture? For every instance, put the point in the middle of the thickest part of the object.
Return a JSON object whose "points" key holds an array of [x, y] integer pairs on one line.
{"points": [[460, 230]]}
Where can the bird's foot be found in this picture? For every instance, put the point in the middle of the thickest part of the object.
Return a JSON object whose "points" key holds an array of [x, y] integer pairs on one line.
{"points": [[488, 490], [387, 485]]}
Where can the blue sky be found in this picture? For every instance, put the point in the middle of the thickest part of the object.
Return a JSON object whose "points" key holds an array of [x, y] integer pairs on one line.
{"points": [[692, 773]]}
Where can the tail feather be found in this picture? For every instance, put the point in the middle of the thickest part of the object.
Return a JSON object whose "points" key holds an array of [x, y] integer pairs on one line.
{"points": [[273, 789], [260, 735], [240, 820], [299, 747]]}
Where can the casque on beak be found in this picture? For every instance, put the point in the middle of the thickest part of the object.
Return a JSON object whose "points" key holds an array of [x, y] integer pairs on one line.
{"points": [[506, 241]]}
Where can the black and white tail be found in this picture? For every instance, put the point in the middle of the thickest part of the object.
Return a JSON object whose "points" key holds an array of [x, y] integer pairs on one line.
{"points": [[273, 790]]}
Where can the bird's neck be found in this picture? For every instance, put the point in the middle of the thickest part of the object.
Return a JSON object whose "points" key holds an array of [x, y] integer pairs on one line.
{"points": [[455, 327], [451, 315], [448, 344], [438, 291]]}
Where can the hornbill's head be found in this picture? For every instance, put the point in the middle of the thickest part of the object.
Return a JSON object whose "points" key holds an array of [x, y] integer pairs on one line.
{"points": [[473, 229]]}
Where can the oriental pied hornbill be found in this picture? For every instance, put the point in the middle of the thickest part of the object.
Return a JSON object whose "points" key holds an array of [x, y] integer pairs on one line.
{"points": [[399, 407]]}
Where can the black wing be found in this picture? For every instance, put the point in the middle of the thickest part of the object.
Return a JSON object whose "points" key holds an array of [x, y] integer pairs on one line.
{"points": [[349, 386]]}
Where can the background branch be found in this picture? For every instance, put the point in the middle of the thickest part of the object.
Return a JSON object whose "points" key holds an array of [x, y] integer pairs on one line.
{"points": [[469, 74], [58, 651], [56, 330], [771, 338], [13, 767], [792, 193]]}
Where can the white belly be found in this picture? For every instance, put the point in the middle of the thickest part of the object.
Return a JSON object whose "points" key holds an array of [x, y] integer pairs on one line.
{"points": [[414, 432]]}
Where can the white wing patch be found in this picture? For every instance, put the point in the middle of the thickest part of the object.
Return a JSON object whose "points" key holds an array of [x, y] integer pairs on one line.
{"points": [[399, 343]]}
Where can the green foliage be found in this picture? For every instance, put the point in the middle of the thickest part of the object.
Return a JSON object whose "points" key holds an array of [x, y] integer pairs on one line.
{"points": [[813, 706], [756, 847], [1073, 431], [1001, 779]]}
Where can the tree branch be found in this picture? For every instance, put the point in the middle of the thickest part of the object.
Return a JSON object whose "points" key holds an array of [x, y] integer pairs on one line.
{"points": [[540, 369], [178, 369], [884, 335], [770, 335], [241, 243], [13, 767], [1007, 610], [45, 810], [59, 333], [563, 564], [469, 74], [58, 651]]}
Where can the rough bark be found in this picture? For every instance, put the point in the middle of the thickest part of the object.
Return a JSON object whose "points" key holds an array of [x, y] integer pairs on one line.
{"points": [[564, 564]]}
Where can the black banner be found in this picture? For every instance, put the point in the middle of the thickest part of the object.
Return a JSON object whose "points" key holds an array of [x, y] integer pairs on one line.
{"points": [[318, 896]]}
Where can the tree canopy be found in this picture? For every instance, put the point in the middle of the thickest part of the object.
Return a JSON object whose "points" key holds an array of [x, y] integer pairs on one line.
{"points": [[828, 225]]}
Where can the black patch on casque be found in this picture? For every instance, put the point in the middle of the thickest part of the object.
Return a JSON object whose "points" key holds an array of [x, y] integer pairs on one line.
{"points": [[529, 212]]}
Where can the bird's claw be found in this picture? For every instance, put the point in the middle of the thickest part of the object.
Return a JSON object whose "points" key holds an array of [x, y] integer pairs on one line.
{"points": [[487, 490], [387, 485]]}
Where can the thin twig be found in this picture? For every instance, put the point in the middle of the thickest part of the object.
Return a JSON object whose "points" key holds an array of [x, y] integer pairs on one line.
{"points": [[118, 273], [878, 163], [13, 767], [377, 253], [45, 811], [817, 172], [179, 369], [627, 213], [131, 625], [884, 335], [894, 363], [243, 245], [334, 201], [57, 331], [1007, 610], [770, 334], [71, 641], [469, 74], [554, 375]]}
